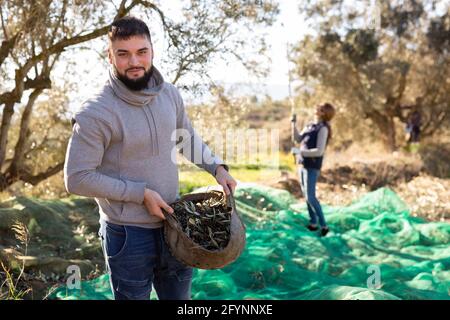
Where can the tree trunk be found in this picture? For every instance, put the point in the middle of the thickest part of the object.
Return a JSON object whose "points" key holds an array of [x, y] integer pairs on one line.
{"points": [[8, 112], [386, 127], [389, 138]]}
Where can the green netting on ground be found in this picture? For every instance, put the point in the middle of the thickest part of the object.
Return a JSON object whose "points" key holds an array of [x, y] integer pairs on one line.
{"points": [[283, 260]]}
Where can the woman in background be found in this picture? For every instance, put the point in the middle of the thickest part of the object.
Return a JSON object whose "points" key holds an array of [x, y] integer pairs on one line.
{"points": [[314, 139]]}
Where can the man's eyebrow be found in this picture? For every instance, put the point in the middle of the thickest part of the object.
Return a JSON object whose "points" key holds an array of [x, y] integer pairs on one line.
{"points": [[141, 49]]}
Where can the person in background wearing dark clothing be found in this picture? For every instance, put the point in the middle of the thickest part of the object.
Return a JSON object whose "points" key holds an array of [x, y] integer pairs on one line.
{"points": [[413, 125], [313, 139]]}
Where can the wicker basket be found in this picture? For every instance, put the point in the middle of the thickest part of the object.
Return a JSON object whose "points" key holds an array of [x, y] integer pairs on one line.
{"points": [[190, 253]]}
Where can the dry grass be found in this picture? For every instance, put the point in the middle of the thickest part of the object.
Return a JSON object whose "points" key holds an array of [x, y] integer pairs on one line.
{"points": [[370, 153], [10, 288], [427, 197]]}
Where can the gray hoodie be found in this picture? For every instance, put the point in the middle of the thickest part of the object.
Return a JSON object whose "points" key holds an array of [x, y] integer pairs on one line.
{"points": [[122, 143]]}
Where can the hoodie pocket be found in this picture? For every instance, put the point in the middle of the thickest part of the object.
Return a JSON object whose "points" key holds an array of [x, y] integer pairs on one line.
{"points": [[112, 208]]}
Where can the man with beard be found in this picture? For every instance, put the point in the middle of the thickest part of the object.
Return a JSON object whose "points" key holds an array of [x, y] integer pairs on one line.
{"points": [[121, 153]]}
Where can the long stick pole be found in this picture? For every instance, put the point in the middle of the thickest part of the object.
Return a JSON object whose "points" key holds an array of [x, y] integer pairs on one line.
{"points": [[291, 101]]}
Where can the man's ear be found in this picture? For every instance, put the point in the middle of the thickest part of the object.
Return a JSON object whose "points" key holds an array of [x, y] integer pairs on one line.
{"points": [[110, 58]]}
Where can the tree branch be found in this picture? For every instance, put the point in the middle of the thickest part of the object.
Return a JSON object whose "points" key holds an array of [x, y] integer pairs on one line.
{"points": [[41, 146], [8, 112], [17, 161], [35, 179], [60, 19], [5, 34], [186, 61], [166, 26], [7, 46], [40, 82]]}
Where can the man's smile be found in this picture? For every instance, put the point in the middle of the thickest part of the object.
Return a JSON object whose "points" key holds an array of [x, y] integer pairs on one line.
{"points": [[136, 70]]}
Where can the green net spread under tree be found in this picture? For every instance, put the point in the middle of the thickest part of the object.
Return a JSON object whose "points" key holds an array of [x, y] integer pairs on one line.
{"points": [[283, 260]]}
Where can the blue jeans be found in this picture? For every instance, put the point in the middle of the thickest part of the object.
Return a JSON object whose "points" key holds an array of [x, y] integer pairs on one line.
{"points": [[137, 258], [308, 181]]}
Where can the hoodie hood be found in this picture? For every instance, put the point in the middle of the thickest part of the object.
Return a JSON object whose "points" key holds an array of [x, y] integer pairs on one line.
{"points": [[137, 98]]}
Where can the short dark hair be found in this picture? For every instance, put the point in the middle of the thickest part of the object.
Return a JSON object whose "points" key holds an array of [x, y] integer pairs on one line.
{"points": [[328, 111], [127, 27]]}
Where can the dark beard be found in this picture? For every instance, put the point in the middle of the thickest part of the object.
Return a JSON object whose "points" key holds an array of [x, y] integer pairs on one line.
{"points": [[135, 84]]}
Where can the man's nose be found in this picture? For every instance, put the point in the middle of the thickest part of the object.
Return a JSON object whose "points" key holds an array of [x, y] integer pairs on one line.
{"points": [[133, 60]]}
